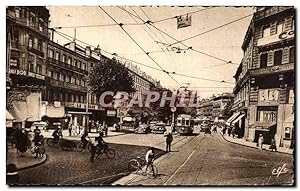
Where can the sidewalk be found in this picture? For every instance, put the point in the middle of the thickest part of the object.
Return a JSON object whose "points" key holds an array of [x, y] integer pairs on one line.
{"points": [[253, 145], [25, 162]]}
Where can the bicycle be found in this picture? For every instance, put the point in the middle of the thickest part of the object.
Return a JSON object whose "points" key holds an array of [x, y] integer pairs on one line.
{"points": [[135, 165], [110, 153], [80, 147]]}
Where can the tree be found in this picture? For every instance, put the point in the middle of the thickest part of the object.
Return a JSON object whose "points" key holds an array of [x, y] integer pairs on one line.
{"points": [[110, 76]]}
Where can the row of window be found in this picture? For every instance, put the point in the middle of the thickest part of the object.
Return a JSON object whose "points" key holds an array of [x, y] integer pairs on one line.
{"points": [[140, 81], [279, 28], [34, 42], [32, 20], [68, 60], [66, 78], [277, 58], [65, 97]]}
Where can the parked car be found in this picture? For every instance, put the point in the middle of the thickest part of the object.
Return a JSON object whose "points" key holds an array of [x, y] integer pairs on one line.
{"points": [[159, 128], [41, 125], [152, 124], [143, 128], [204, 126]]}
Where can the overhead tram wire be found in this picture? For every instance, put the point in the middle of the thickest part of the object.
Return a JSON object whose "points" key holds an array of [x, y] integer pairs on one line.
{"points": [[114, 54], [100, 25], [180, 41], [150, 23], [146, 31], [148, 28], [71, 38], [120, 24], [151, 29]]}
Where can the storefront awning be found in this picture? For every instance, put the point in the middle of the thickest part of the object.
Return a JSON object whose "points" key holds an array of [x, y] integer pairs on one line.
{"points": [[233, 117], [79, 112], [238, 118], [9, 116], [263, 125]]}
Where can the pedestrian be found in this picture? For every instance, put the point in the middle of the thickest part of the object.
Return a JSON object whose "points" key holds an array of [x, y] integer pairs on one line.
{"points": [[273, 145], [105, 129], [224, 130], [169, 139], [260, 141], [12, 176], [70, 129], [229, 131], [21, 142], [90, 126]]}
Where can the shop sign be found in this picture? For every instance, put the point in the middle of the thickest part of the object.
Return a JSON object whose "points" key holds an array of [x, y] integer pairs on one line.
{"points": [[18, 72], [111, 113], [286, 34]]}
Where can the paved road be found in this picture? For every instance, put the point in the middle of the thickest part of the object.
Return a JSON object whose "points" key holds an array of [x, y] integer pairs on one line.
{"points": [[212, 161], [196, 160], [72, 167]]}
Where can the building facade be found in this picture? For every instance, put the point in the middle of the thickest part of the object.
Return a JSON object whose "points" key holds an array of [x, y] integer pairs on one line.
{"points": [[264, 90], [26, 61], [221, 106], [48, 81]]}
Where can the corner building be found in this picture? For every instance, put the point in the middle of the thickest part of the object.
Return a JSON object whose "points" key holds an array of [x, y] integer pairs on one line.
{"points": [[265, 79]]}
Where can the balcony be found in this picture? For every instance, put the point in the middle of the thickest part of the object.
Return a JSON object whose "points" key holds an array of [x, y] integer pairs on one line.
{"points": [[36, 52], [66, 85], [67, 66], [272, 69]]}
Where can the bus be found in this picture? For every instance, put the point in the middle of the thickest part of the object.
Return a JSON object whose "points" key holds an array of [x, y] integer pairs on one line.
{"points": [[184, 124]]}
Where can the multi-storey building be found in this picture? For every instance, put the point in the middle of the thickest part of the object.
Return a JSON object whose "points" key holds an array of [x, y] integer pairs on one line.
{"points": [[264, 90], [221, 106], [205, 108], [48, 81], [27, 41]]}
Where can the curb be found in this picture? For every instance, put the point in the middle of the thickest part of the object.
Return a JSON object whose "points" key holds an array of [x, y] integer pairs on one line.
{"points": [[34, 165], [253, 147]]}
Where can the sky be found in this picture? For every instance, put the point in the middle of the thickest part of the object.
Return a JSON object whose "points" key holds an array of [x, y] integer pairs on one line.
{"points": [[224, 43]]}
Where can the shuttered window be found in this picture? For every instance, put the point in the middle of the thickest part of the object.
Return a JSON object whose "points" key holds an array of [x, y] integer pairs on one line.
{"points": [[263, 60], [278, 57], [292, 55]]}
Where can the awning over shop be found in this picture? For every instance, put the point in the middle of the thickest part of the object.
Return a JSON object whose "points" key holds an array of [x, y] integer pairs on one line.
{"points": [[54, 112], [238, 118], [233, 117], [264, 126], [230, 119], [79, 112], [9, 116], [9, 119]]}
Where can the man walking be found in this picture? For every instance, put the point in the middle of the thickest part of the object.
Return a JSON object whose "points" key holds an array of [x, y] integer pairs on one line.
{"points": [[169, 139]]}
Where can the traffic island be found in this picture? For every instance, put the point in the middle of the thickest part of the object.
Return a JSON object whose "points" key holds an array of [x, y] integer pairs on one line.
{"points": [[24, 162]]}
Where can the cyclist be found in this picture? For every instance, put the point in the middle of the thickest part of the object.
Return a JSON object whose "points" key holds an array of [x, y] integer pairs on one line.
{"points": [[150, 159], [100, 141], [85, 139], [56, 134]]}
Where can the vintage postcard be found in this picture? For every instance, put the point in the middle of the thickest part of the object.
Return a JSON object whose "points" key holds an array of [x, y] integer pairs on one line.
{"points": [[150, 95]]}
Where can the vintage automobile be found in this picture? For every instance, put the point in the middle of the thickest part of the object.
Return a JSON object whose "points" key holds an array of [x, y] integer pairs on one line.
{"points": [[41, 125], [159, 128], [143, 128]]}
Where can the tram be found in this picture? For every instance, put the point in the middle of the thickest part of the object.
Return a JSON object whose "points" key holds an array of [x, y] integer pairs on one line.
{"points": [[184, 124]]}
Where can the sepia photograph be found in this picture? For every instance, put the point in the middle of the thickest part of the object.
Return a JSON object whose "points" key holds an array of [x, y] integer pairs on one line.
{"points": [[136, 95]]}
